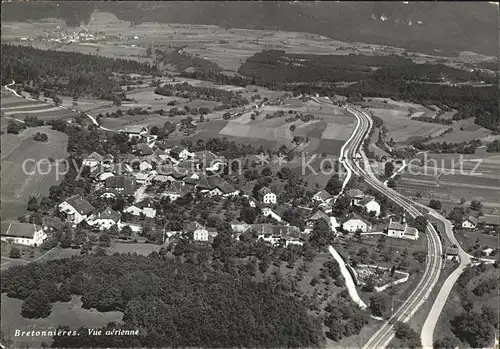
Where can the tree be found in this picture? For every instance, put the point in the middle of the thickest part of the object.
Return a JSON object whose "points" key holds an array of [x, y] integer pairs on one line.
{"points": [[420, 223], [435, 204], [389, 169], [321, 235], [476, 205], [446, 343], [391, 183], [36, 306], [13, 127], [248, 214], [14, 253], [334, 185], [33, 204], [379, 304], [57, 100], [471, 328], [408, 337]]}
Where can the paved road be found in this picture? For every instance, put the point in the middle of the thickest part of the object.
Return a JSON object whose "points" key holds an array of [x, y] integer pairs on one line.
{"points": [[433, 267]]}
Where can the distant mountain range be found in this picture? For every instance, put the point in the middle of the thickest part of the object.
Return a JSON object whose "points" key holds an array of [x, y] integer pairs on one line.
{"points": [[449, 27]]}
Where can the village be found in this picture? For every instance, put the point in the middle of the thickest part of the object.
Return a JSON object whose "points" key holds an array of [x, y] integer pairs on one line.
{"points": [[154, 173]]}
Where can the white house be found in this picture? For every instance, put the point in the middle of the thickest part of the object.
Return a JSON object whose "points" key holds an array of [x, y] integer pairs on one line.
{"points": [[278, 234], [105, 219], [180, 153], [267, 196], [92, 160], [470, 222], [322, 197], [369, 204], [146, 207], [176, 190], [145, 166], [135, 132], [200, 232], [267, 211], [402, 231], [22, 233], [356, 223], [76, 208]]}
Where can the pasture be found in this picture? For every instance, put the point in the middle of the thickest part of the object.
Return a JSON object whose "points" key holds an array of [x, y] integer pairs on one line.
{"points": [[18, 108], [402, 128], [449, 177], [19, 183]]}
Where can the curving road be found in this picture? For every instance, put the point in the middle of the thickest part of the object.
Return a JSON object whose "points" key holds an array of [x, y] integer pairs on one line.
{"points": [[94, 121], [433, 267]]}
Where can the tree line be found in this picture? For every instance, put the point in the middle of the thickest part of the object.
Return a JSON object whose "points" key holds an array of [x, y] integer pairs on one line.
{"points": [[49, 71]]}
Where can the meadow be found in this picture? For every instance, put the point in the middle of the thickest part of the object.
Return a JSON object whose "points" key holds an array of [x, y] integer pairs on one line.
{"points": [[17, 184], [460, 178]]}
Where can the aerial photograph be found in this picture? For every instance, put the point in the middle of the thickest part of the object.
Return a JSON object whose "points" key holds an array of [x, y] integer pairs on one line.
{"points": [[250, 174]]}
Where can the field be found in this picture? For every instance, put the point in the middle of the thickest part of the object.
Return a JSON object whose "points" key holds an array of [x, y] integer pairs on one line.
{"points": [[459, 178], [227, 47], [398, 118], [19, 184], [13, 107], [70, 314], [326, 134]]}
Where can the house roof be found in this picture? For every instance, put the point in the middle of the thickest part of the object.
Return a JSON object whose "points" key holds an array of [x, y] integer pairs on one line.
{"points": [[226, 188], [145, 203], [192, 226], [105, 175], [265, 190], [177, 188], [19, 230], [81, 205], [109, 213], [210, 182], [365, 201], [109, 191], [205, 156], [396, 226], [54, 222], [127, 183], [144, 149], [319, 215], [323, 195], [94, 156], [411, 231], [135, 129], [452, 251], [285, 231], [472, 219], [355, 194], [357, 216], [177, 149]]}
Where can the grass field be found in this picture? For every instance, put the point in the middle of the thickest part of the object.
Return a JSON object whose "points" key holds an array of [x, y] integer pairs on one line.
{"points": [[460, 178], [19, 184], [70, 314]]}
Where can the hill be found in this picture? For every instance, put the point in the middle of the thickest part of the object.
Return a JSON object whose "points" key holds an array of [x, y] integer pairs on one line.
{"points": [[427, 27]]}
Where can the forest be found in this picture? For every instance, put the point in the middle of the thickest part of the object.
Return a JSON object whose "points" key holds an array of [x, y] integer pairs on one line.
{"points": [[397, 78], [172, 303], [278, 66], [48, 71]]}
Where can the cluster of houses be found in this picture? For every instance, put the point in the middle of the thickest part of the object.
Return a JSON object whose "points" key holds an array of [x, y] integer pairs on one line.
{"points": [[177, 172]]}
